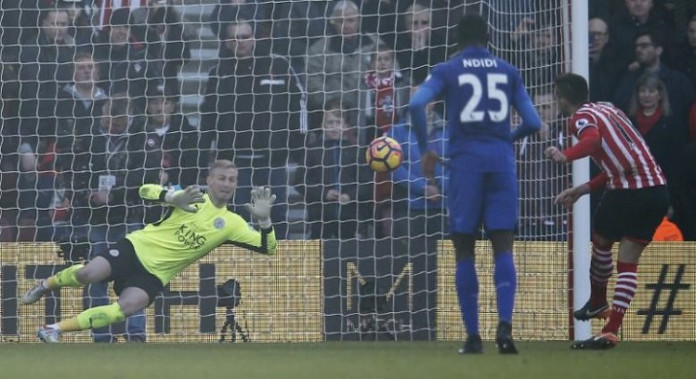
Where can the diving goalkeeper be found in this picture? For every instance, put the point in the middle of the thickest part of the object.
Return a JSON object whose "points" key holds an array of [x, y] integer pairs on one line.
{"points": [[143, 262]]}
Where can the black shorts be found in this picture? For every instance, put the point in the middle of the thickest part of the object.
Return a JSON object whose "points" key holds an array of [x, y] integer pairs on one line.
{"points": [[127, 271], [633, 214]]}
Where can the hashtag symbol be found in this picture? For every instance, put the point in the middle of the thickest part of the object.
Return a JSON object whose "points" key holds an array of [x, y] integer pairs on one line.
{"points": [[657, 288]]}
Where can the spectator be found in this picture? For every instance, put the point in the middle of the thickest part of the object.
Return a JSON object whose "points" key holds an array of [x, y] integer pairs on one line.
{"points": [[600, 9], [118, 169], [688, 172], [80, 25], [648, 52], [9, 151], [667, 138], [665, 135], [506, 20], [45, 67], [254, 110], [386, 18], [172, 140], [78, 112], [685, 56], [140, 12], [682, 12], [169, 46], [418, 46], [36, 184], [540, 180], [235, 10], [20, 21], [604, 72], [445, 16], [339, 60], [384, 95], [335, 181], [419, 204], [638, 16], [536, 52], [380, 17], [124, 67], [118, 165], [105, 9], [297, 25]]}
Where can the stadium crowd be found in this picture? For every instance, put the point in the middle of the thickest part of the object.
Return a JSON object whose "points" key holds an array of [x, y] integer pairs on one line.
{"points": [[90, 101]]}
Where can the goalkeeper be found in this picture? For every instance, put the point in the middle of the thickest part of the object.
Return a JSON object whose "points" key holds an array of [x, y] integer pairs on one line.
{"points": [[143, 262]]}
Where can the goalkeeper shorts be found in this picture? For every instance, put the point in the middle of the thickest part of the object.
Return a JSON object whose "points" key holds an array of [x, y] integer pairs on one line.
{"points": [[127, 271]]}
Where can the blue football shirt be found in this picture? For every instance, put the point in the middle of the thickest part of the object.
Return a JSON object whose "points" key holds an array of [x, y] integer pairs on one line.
{"points": [[479, 89]]}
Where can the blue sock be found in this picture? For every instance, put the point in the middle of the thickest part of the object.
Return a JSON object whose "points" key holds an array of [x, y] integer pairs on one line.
{"points": [[505, 285], [467, 290]]}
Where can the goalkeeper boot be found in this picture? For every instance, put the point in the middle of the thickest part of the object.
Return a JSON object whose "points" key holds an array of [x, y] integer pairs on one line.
{"points": [[601, 341], [504, 340], [473, 345], [35, 293], [589, 312], [48, 334]]}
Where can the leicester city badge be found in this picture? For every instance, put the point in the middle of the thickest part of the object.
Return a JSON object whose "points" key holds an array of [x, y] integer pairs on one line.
{"points": [[219, 223]]}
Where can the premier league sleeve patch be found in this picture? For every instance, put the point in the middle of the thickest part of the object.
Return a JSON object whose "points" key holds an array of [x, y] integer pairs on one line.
{"points": [[581, 124], [219, 223]]}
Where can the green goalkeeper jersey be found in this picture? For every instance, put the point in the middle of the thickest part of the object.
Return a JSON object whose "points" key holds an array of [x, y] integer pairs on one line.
{"points": [[168, 246]]}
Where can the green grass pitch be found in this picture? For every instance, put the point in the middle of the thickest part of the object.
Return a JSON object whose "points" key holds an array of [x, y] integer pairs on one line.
{"points": [[337, 360]]}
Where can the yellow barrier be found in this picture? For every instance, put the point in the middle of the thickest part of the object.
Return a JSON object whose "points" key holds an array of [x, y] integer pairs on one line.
{"points": [[665, 304], [664, 307], [541, 310], [281, 295]]}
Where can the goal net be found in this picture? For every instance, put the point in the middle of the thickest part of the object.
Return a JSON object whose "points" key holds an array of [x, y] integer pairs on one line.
{"points": [[99, 97]]}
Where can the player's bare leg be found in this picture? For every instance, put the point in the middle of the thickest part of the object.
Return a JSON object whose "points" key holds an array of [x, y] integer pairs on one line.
{"points": [[74, 276], [97, 270], [131, 301], [78, 275], [505, 277]]}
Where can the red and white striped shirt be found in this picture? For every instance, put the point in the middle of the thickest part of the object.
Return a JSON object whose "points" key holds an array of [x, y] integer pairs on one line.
{"points": [[624, 156]]}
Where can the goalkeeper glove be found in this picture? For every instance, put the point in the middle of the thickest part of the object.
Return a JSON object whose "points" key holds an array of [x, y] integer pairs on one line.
{"points": [[184, 199], [260, 207]]}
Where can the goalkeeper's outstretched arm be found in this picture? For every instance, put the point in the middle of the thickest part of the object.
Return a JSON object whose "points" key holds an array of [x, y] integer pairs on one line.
{"points": [[182, 199], [263, 241]]}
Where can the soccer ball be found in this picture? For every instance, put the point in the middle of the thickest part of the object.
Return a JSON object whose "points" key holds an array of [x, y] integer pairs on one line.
{"points": [[384, 154]]}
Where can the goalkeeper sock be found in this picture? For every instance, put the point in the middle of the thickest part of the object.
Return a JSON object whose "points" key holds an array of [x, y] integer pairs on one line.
{"points": [[467, 290], [97, 317], [601, 268], [65, 278], [505, 278], [624, 290]]}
